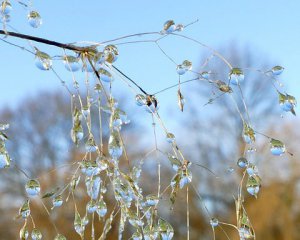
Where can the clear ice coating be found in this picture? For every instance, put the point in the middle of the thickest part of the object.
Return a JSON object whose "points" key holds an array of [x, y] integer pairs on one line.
{"points": [[34, 19]]}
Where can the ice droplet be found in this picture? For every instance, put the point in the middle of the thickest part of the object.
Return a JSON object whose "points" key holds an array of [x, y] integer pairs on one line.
{"points": [[43, 60], [32, 188], [169, 26], [101, 208], [236, 76], [214, 222], [57, 201], [277, 70], [170, 137], [34, 19], [6, 7], [242, 162], [60, 237], [277, 147], [71, 63], [36, 234]]}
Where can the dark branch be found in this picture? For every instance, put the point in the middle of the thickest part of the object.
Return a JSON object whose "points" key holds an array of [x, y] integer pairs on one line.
{"points": [[43, 40]]}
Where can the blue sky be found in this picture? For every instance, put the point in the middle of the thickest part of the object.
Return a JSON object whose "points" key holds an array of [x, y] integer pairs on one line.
{"points": [[271, 27]]}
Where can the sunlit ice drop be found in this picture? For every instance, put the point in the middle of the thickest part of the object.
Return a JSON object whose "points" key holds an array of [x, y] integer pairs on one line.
{"points": [[93, 186], [138, 236], [253, 185], [277, 70], [101, 208], [78, 224], [252, 169], [149, 231], [169, 27], [205, 75], [111, 53], [242, 162], [57, 201], [71, 63], [287, 102], [42, 60], [115, 145], [236, 76], [140, 100], [152, 200], [248, 134], [115, 122], [184, 67], [90, 145], [152, 104], [89, 168], [165, 229], [60, 237], [34, 19], [214, 222], [179, 27], [105, 75], [24, 210], [32, 188], [24, 233], [170, 137], [36, 234], [91, 206], [99, 59], [245, 233], [4, 160], [6, 7], [77, 133], [277, 147]]}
